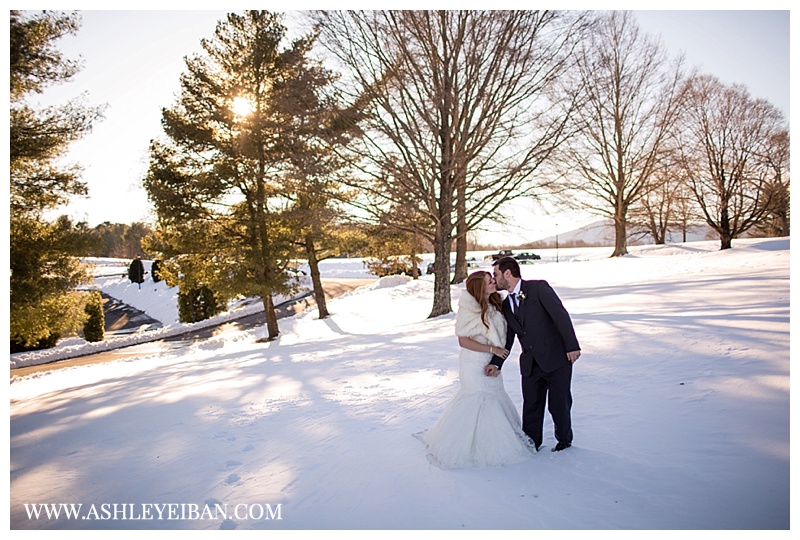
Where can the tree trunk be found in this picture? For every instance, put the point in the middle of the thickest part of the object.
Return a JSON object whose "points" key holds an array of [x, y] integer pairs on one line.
{"points": [[725, 233], [441, 290], [661, 237], [443, 236], [316, 278], [725, 236], [414, 266], [461, 269], [620, 235], [269, 312], [266, 269], [657, 231], [460, 274]]}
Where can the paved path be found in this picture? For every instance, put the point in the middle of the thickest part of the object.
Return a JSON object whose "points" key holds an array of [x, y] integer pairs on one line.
{"points": [[333, 288], [124, 319]]}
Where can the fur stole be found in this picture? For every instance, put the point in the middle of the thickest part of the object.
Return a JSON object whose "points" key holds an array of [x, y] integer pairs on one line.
{"points": [[469, 323]]}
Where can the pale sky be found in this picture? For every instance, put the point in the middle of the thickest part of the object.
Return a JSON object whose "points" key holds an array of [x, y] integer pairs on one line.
{"points": [[133, 59]]}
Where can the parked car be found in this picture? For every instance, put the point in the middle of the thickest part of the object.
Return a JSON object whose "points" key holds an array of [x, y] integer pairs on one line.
{"points": [[526, 258], [499, 254]]}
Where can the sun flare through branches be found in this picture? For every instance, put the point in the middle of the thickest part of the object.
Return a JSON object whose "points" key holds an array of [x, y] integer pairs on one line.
{"points": [[242, 106]]}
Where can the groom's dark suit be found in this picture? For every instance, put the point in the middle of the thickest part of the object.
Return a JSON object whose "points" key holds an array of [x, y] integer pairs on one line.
{"points": [[545, 334]]}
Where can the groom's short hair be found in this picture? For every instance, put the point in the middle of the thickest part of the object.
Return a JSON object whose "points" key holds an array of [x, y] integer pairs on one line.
{"points": [[507, 263]]}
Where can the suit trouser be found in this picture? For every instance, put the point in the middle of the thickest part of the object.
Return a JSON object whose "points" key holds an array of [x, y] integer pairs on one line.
{"points": [[554, 389]]}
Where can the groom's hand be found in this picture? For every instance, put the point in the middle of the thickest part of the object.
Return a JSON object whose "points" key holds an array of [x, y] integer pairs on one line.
{"points": [[491, 370], [573, 356]]}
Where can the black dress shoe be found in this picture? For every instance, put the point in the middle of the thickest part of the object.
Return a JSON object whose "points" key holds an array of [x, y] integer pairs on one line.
{"points": [[531, 442], [561, 446]]}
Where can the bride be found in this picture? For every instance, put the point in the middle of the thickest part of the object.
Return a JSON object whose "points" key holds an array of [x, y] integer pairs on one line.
{"points": [[480, 426]]}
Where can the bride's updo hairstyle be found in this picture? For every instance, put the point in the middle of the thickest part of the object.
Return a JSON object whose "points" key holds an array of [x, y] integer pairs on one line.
{"points": [[476, 286]]}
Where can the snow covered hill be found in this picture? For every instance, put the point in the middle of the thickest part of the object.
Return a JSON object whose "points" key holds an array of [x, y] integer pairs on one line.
{"points": [[601, 233]]}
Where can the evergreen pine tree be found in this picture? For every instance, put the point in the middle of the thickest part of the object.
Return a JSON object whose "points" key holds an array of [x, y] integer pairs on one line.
{"points": [[219, 181], [94, 327], [44, 270]]}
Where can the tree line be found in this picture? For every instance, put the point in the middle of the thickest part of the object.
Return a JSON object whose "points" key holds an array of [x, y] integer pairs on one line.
{"points": [[118, 240], [412, 130]]}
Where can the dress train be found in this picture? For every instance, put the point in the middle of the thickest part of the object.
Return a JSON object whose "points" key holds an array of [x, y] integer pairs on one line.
{"points": [[480, 426]]}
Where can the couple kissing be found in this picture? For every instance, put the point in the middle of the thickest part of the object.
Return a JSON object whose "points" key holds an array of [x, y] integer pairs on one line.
{"points": [[480, 426]]}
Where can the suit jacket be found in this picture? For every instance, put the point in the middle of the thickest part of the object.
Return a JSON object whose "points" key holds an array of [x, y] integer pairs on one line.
{"points": [[543, 327]]}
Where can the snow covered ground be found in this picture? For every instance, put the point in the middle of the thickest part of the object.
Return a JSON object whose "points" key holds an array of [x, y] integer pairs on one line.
{"points": [[681, 413]]}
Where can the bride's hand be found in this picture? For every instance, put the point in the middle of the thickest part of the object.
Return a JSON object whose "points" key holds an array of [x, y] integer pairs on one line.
{"points": [[502, 353]]}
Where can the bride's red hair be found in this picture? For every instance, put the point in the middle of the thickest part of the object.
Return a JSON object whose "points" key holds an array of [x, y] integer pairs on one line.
{"points": [[476, 286]]}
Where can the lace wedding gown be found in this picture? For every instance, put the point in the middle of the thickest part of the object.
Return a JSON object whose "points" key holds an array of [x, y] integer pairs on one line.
{"points": [[480, 426]]}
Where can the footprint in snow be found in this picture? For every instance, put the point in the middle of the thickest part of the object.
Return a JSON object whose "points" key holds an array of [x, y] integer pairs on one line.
{"points": [[232, 478]]}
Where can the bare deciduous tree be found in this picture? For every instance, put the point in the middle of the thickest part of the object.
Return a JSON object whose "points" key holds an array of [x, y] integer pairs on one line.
{"points": [[687, 212], [460, 114], [653, 212], [630, 101], [668, 206], [726, 143]]}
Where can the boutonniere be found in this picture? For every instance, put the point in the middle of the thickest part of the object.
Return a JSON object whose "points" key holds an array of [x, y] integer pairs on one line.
{"points": [[521, 296]]}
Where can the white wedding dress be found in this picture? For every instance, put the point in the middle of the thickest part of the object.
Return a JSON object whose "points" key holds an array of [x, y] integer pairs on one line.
{"points": [[480, 426]]}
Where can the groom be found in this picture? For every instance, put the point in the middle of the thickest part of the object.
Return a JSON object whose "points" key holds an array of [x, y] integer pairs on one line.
{"points": [[537, 317]]}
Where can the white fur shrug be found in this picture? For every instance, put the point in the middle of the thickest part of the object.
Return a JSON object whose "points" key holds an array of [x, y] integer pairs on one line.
{"points": [[469, 323]]}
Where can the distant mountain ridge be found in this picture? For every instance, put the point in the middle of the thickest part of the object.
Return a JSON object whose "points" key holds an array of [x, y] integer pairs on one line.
{"points": [[601, 233]]}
